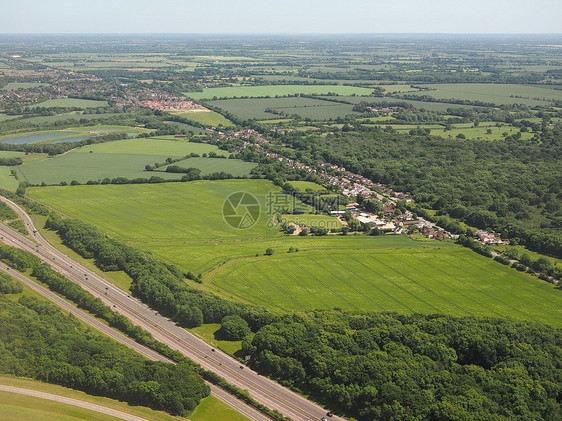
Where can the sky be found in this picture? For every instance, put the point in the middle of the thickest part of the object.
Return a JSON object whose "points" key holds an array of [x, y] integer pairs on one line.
{"points": [[280, 16]]}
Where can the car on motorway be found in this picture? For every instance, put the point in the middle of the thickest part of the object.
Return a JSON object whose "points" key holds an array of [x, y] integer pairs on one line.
{"points": [[329, 414]]}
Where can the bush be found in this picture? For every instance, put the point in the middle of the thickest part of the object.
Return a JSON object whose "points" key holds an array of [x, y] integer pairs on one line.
{"points": [[502, 259], [234, 328]]}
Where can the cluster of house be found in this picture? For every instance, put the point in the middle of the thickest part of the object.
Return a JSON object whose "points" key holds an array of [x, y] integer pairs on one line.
{"points": [[170, 104], [141, 96], [384, 110], [256, 136], [488, 238]]}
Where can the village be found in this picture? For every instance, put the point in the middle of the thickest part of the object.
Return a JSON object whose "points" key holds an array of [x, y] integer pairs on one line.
{"points": [[390, 220]]}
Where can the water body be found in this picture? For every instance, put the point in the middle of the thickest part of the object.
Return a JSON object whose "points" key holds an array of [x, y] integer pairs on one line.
{"points": [[32, 138]]}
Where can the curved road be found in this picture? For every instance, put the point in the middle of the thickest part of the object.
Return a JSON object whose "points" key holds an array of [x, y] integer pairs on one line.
{"points": [[69, 401], [263, 390]]}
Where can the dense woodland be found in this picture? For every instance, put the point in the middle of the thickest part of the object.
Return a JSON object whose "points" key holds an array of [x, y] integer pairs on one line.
{"points": [[38, 341], [397, 367]]}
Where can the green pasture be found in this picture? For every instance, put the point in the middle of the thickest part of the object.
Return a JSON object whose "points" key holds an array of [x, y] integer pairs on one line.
{"points": [[208, 332], [182, 212], [305, 107], [208, 118], [72, 102], [494, 93], [479, 132], [122, 158], [7, 180], [166, 146], [236, 167], [16, 407], [182, 222], [277, 90], [211, 409], [452, 281]]}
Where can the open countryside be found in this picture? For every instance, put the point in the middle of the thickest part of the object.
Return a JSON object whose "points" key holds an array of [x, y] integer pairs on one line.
{"points": [[182, 223], [127, 158], [343, 227], [279, 90]]}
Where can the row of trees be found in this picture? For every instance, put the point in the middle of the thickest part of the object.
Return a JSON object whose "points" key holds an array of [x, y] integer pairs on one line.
{"points": [[160, 285]]}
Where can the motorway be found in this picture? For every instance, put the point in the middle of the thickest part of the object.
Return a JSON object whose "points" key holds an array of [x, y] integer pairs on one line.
{"points": [[232, 401], [263, 390]]}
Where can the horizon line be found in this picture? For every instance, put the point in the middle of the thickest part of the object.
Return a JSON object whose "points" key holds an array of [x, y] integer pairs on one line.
{"points": [[280, 33]]}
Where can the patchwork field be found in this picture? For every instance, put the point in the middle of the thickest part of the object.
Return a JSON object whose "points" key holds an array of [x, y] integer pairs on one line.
{"points": [[277, 90], [182, 223], [494, 93], [122, 158], [305, 107]]}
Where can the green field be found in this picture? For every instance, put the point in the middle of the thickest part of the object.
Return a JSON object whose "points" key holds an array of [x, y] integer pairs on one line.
{"points": [[480, 132], [236, 167], [305, 107], [211, 409], [121, 158], [209, 118], [449, 281], [494, 93], [277, 90], [72, 102], [7, 180]]}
